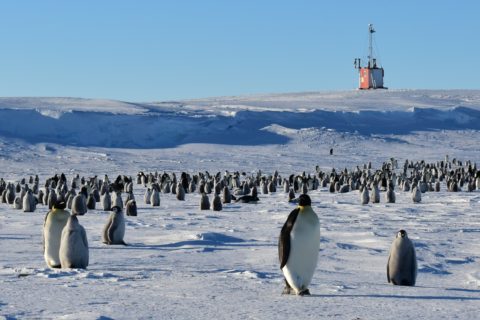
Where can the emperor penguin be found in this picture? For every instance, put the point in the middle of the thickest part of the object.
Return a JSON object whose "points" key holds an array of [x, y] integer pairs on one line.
{"points": [[180, 192], [147, 195], [52, 198], [91, 202], [217, 203], [29, 202], [390, 194], [364, 196], [416, 195], [114, 229], [106, 201], [117, 199], [55, 221], [73, 245], [375, 194], [298, 247], [131, 208], [204, 202], [79, 204], [402, 261], [155, 198], [227, 197]]}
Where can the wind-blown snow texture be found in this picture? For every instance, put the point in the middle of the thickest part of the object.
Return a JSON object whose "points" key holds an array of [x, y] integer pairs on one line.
{"points": [[183, 263]]}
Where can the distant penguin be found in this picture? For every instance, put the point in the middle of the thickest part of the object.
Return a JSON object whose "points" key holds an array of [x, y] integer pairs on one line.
{"points": [[291, 195], [17, 203], [96, 195], [390, 195], [131, 208], [254, 192], [91, 202], [180, 192], [114, 229], [217, 203], [147, 195], [298, 247], [344, 188], [247, 199], [130, 196], [364, 196], [166, 188], [10, 194], [226, 196], [70, 201], [29, 202], [55, 221], [402, 261], [272, 187], [204, 202], [375, 194], [73, 245], [117, 200], [331, 188], [416, 195], [52, 198], [106, 200], [246, 188], [437, 186], [305, 188], [208, 188], [192, 187], [264, 187], [79, 204], [155, 198]]}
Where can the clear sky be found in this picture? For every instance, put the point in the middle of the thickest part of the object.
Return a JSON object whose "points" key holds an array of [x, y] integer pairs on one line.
{"points": [[143, 50]]}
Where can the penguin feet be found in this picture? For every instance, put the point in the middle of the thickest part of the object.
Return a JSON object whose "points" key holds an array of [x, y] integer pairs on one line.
{"points": [[287, 290], [305, 292]]}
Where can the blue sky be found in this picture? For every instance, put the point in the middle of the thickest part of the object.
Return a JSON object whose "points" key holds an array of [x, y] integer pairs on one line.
{"points": [[166, 50]]}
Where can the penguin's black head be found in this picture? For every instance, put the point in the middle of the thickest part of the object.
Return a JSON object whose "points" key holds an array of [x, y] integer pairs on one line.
{"points": [[304, 200], [116, 209], [402, 233], [60, 204]]}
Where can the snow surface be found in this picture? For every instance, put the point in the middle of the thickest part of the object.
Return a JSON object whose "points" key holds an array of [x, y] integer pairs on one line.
{"points": [[183, 263]]}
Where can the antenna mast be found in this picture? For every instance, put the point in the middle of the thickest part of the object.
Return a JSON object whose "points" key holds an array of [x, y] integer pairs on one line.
{"points": [[371, 61]]}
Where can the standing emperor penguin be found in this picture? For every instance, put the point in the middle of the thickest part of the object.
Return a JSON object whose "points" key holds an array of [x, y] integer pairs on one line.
{"points": [[114, 229], [55, 221], [73, 245], [402, 261], [416, 195], [298, 247], [364, 196]]}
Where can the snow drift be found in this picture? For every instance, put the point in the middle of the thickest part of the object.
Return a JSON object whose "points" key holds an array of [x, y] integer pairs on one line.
{"points": [[104, 123]]}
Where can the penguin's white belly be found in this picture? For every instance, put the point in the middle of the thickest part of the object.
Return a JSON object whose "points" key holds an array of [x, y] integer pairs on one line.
{"points": [[53, 235], [304, 247]]}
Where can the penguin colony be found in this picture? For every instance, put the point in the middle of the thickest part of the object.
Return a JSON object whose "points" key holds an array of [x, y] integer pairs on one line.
{"points": [[65, 241]]}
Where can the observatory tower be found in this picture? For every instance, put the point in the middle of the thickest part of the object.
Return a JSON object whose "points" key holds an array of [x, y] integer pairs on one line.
{"points": [[371, 76]]}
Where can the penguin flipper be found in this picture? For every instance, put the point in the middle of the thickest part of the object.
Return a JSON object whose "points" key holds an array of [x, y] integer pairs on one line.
{"points": [[84, 238], [413, 266], [388, 269], [284, 239], [111, 230]]}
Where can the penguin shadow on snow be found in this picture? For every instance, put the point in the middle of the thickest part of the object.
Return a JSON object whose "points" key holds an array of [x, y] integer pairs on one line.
{"points": [[209, 241]]}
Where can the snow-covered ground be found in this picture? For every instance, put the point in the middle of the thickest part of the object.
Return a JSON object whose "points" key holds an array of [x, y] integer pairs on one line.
{"points": [[184, 263]]}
